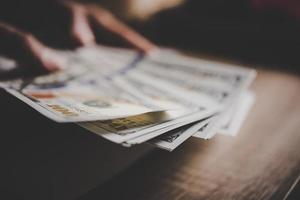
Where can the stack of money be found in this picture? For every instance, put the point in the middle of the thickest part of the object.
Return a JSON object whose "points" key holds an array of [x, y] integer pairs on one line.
{"points": [[162, 98]]}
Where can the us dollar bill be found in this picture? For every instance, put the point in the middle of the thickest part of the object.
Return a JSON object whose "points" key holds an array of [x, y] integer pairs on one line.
{"points": [[130, 98], [172, 139], [204, 82], [145, 127], [218, 82], [230, 120], [81, 92], [237, 114]]}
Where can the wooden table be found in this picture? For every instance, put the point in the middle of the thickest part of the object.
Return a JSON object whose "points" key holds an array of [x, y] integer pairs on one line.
{"points": [[262, 162]]}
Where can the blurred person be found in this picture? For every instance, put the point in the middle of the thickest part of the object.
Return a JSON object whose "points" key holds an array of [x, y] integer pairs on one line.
{"points": [[30, 31]]}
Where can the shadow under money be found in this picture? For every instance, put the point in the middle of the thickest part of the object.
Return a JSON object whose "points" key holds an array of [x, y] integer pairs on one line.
{"points": [[42, 159]]}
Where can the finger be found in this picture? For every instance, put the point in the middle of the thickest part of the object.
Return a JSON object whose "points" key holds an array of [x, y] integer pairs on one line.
{"points": [[112, 24], [28, 50], [80, 29]]}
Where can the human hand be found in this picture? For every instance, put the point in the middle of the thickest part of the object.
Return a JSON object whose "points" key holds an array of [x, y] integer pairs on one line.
{"points": [[34, 55]]}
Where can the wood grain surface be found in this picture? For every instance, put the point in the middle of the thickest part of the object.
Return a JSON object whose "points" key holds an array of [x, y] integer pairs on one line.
{"points": [[262, 162]]}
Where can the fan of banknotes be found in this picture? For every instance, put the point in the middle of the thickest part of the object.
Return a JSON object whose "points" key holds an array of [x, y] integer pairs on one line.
{"points": [[162, 98]]}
